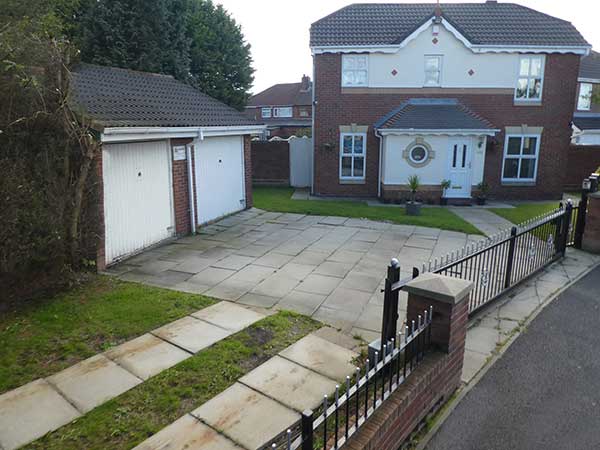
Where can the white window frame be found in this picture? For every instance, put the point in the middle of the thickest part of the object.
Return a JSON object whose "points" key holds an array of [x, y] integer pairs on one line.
{"points": [[440, 60], [529, 77], [277, 112], [588, 99], [345, 61], [353, 155], [521, 157], [265, 113]]}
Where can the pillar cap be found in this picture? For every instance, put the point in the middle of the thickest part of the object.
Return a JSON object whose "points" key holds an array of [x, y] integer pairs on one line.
{"points": [[440, 287]]}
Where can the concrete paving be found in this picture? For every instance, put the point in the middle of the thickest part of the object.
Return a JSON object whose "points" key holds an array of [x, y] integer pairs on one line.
{"points": [[191, 334], [331, 268], [486, 221]]}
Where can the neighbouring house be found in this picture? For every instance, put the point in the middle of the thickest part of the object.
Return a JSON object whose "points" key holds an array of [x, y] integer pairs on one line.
{"points": [[172, 157], [466, 92], [586, 120], [285, 108]]}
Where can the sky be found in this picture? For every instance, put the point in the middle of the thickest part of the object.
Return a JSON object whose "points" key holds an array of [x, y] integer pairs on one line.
{"points": [[278, 30]]}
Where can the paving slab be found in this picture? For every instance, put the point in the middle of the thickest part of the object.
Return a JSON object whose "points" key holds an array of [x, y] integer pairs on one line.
{"points": [[191, 334], [234, 262], [322, 356], [277, 285], [289, 383], [473, 362], [334, 269], [187, 433], [301, 302], [359, 281], [229, 289], [168, 278], [482, 339], [336, 337], [310, 257], [246, 416], [272, 259], [339, 318], [319, 284], [31, 411], [211, 276], [193, 264], [254, 250], [92, 382], [253, 273], [146, 356], [347, 299], [229, 316], [263, 301], [297, 271]]}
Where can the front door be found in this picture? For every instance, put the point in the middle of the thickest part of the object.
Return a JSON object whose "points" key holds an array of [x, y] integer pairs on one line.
{"points": [[459, 168]]}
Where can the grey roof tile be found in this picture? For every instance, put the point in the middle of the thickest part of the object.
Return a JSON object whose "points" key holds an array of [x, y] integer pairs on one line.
{"points": [[481, 23], [114, 97], [587, 121], [590, 66], [433, 114], [283, 94]]}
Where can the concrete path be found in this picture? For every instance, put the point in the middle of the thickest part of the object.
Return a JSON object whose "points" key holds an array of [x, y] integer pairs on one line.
{"points": [[44, 405], [268, 400], [494, 327], [544, 392], [486, 221], [331, 268]]}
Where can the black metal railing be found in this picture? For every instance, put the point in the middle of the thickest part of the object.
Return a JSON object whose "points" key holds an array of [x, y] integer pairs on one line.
{"points": [[340, 417]]}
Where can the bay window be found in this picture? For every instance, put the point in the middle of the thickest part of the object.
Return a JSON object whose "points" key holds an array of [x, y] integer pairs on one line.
{"points": [[352, 156]]}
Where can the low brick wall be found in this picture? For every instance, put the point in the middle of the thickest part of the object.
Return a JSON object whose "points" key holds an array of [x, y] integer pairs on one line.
{"points": [[591, 236], [583, 160], [271, 162]]}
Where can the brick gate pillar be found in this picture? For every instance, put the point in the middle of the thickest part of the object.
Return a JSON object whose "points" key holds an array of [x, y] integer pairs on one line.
{"points": [[591, 236]]}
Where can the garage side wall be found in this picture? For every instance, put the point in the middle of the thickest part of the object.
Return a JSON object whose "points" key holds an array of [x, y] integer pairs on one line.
{"points": [[100, 252], [248, 170], [181, 199]]}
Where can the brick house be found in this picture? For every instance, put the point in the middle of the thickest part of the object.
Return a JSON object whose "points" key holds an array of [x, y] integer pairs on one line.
{"points": [[586, 120], [172, 157], [463, 92], [285, 108]]}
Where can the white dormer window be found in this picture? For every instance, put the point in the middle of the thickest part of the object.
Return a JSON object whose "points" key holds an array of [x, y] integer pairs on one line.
{"points": [[433, 70], [265, 113], [531, 78], [584, 102], [355, 70]]}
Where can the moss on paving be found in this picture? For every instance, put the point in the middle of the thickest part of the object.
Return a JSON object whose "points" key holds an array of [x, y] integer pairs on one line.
{"points": [[525, 211], [279, 199], [44, 337], [144, 410]]}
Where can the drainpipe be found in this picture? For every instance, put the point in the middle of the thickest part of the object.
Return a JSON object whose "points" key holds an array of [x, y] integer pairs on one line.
{"points": [[191, 189], [380, 162]]}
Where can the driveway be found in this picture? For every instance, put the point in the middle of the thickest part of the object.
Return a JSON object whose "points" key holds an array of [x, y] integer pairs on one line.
{"points": [[331, 268]]}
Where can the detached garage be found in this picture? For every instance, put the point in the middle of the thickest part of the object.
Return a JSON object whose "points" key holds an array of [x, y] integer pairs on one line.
{"points": [[172, 157]]}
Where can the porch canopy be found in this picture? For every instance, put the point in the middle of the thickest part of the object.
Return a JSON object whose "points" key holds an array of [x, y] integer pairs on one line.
{"points": [[434, 116]]}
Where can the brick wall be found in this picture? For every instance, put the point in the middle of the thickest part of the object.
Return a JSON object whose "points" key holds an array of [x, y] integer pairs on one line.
{"points": [[271, 162], [591, 236], [582, 161], [181, 198], [336, 107]]}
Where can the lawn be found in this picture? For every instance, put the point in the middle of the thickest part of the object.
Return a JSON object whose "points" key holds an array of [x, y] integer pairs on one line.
{"points": [[43, 338], [279, 199], [139, 413], [525, 211]]}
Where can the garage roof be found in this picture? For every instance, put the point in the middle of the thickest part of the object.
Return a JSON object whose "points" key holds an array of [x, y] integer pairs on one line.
{"points": [[587, 121], [114, 97]]}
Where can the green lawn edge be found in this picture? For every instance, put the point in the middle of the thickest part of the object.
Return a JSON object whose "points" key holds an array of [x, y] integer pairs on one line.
{"points": [[525, 211], [278, 199], [134, 416], [45, 337]]}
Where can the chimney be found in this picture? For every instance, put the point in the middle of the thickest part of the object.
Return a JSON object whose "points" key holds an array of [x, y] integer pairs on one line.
{"points": [[438, 13], [305, 85]]}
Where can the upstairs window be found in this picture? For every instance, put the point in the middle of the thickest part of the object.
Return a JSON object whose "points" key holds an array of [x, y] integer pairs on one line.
{"points": [[520, 158], [531, 78], [352, 156], [584, 103], [265, 113], [283, 112], [433, 70], [355, 70]]}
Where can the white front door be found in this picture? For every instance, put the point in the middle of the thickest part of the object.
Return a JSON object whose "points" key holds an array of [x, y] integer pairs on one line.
{"points": [[459, 168]]}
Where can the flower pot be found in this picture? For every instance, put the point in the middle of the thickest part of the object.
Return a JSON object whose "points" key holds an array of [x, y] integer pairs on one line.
{"points": [[443, 201], [480, 201], [413, 208]]}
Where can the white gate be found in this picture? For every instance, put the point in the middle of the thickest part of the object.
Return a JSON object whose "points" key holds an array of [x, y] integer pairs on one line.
{"points": [[300, 161]]}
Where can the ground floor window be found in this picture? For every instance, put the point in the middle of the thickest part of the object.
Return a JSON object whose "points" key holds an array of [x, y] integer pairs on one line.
{"points": [[520, 158], [352, 156]]}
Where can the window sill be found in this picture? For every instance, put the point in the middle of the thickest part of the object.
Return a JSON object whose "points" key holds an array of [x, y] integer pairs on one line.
{"points": [[518, 183], [350, 181], [527, 103]]}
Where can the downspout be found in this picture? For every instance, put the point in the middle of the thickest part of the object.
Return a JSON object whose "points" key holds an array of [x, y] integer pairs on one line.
{"points": [[191, 189], [380, 163]]}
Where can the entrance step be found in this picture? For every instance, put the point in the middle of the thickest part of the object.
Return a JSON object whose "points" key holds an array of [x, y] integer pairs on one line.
{"points": [[460, 201]]}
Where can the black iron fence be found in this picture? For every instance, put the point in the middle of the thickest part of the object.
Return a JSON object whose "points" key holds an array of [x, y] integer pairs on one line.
{"points": [[340, 417]]}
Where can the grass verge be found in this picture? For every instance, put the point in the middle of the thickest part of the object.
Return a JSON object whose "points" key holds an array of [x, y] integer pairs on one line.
{"points": [[42, 338], [144, 410], [525, 211], [279, 199]]}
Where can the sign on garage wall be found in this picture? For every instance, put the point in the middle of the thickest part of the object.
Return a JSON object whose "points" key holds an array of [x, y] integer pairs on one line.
{"points": [[179, 153]]}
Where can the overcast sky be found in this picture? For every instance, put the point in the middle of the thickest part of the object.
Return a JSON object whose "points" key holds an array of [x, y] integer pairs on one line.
{"points": [[278, 30]]}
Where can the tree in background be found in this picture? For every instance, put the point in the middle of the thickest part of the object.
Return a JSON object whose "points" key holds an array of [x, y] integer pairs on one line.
{"points": [[221, 65]]}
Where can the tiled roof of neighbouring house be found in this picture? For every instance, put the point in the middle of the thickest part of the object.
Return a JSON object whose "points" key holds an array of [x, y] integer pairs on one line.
{"points": [[590, 66], [433, 114], [487, 23], [283, 94], [587, 121], [114, 97]]}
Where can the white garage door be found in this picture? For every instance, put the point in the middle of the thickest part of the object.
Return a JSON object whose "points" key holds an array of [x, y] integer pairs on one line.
{"points": [[138, 209], [219, 177]]}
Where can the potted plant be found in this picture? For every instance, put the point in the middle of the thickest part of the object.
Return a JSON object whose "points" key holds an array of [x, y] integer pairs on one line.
{"points": [[482, 189], [413, 208], [445, 185]]}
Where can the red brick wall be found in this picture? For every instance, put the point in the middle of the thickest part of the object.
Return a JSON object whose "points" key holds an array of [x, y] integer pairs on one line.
{"points": [[335, 108], [591, 235], [271, 162], [181, 198], [248, 170], [582, 161]]}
